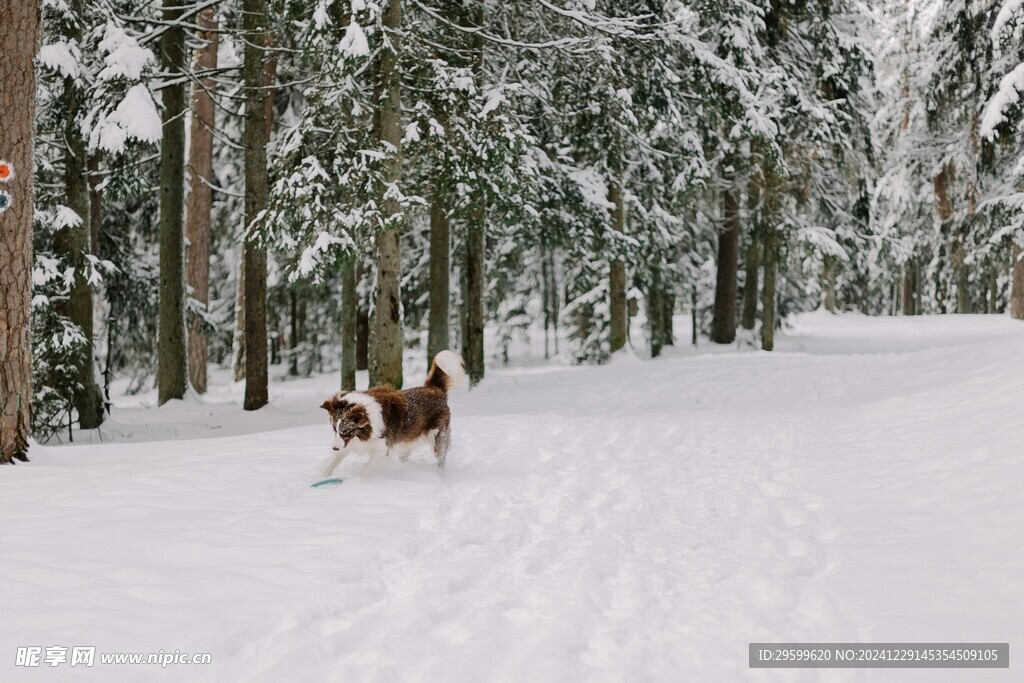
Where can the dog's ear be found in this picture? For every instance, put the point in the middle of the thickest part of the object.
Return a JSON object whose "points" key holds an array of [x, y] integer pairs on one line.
{"points": [[335, 402]]}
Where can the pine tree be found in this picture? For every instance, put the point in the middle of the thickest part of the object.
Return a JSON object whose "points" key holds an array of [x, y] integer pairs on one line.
{"points": [[723, 322], [200, 198], [78, 241], [386, 340], [254, 25], [171, 362], [475, 267], [1001, 129], [19, 41]]}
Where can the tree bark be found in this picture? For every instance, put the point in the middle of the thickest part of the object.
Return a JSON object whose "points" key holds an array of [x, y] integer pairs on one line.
{"points": [[1017, 286], [238, 338], [723, 321], [618, 331], [752, 257], [200, 197], [655, 313], [546, 286], [963, 277], [916, 289], [386, 359], [440, 265], [944, 212], [668, 310], [439, 315], [752, 263], [349, 325], [95, 240], [555, 305], [73, 243], [694, 326], [254, 23], [909, 282], [363, 340], [386, 331], [473, 340], [19, 41], [550, 295], [770, 257], [992, 300], [476, 241], [171, 361], [828, 286], [293, 331]]}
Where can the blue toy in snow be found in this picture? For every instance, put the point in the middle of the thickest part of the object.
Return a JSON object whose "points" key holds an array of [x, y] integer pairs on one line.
{"points": [[333, 481]]}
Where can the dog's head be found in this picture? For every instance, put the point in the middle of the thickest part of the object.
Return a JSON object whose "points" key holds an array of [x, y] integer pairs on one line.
{"points": [[348, 420]]}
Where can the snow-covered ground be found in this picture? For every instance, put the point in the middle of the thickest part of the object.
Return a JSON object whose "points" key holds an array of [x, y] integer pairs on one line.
{"points": [[639, 521]]}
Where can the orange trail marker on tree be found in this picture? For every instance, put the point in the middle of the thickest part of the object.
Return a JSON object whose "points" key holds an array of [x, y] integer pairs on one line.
{"points": [[6, 171]]}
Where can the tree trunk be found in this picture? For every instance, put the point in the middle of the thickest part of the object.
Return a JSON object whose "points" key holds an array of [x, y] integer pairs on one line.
{"points": [[917, 289], [476, 242], [476, 250], [386, 360], [556, 310], [752, 257], [300, 319], [349, 325], [694, 324], [171, 362], [668, 309], [73, 243], [770, 257], [828, 286], [95, 237], [293, 331], [546, 286], [992, 300], [362, 340], [440, 265], [752, 263], [944, 212], [200, 197], [550, 294], [618, 331], [255, 267], [19, 40], [723, 321], [655, 313], [963, 276], [238, 338], [1017, 286], [362, 323], [907, 296]]}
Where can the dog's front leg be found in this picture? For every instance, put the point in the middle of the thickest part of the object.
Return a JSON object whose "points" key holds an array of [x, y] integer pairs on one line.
{"points": [[377, 451], [333, 463]]}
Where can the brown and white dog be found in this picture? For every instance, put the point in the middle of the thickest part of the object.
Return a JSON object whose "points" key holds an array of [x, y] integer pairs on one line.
{"points": [[383, 420]]}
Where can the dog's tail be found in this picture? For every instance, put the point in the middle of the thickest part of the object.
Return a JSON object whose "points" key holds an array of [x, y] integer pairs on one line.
{"points": [[446, 372]]}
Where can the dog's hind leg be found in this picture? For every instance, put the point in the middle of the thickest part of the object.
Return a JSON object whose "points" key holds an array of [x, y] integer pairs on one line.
{"points": [[442, 441]]}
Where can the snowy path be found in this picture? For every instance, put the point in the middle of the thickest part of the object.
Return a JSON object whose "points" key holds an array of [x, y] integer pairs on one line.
{"points": [[642, 521]]}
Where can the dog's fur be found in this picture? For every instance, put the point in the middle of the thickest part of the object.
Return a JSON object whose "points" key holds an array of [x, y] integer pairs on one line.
{"points": [[383, 420]]}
